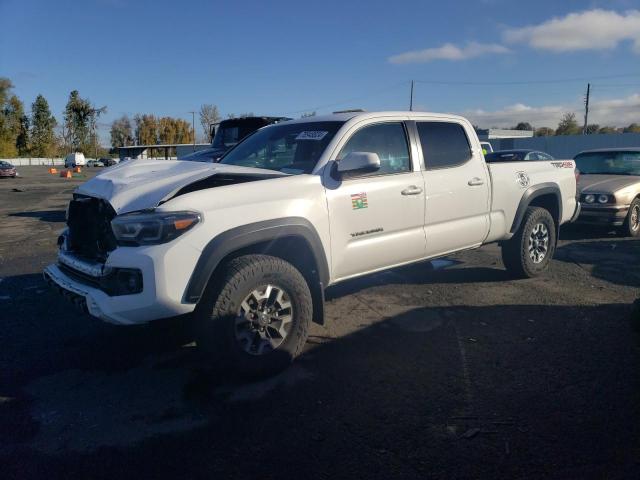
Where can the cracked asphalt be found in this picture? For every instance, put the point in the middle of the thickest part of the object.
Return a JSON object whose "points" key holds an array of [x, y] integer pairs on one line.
{"points": [[449, 370]]}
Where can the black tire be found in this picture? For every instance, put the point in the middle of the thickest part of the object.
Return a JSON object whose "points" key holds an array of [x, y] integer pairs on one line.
{"points": [[631, 227], [516, 254], [220, 307]]}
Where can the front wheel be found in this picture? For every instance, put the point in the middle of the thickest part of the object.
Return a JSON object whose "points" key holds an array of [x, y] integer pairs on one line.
{"points": [[528, 253], [254, 321], [631, 226]]}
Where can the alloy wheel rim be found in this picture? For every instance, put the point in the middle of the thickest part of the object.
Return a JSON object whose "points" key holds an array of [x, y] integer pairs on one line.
{"points": [[264, 319], [539, 243], [635, 218]]}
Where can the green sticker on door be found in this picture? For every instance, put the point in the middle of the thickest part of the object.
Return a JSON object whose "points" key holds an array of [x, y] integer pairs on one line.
{"points": [[359, 200]]}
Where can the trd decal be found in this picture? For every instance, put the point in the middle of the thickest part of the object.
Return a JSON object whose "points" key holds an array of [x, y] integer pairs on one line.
{"points": [[367, 232], [358, 201], [566, 164]]}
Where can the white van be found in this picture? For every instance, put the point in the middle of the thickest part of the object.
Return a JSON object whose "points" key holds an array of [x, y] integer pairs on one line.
{"points": [[74, 160]]}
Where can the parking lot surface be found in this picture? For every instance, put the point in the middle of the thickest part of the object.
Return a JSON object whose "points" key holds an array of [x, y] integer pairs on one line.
{"points": [[442, 370]]}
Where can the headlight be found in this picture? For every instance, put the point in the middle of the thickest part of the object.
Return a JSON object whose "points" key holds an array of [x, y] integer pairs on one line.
{"points": [[152, 228], [603, 198], [589, 198]]}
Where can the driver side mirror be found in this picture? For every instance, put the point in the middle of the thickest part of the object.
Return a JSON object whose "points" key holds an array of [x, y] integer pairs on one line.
{"points": [[359, 162]]}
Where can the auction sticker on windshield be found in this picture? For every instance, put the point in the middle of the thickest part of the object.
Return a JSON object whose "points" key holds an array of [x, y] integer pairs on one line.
{"points": [[312, 135]]}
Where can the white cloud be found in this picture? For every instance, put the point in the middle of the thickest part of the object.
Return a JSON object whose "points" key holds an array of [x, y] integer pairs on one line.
{"points": [[449, 51], [617, 112], [589, 30]]}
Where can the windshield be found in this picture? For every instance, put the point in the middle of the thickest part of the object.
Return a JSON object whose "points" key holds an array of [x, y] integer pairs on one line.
{"points": [[285, 147], [609, 163], [206, 155], [230, 132]]}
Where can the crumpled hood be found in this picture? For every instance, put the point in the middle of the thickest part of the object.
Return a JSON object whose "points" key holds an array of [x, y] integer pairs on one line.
{"points": [[143, 184], [605, 183]]}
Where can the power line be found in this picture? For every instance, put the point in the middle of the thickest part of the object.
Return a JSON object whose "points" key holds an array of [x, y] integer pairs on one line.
{"points": [[616, 85], [355, 99], [529, 82]]}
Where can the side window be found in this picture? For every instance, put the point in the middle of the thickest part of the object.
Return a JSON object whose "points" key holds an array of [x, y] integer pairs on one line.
{"points": [[444, 144], [544, 156], [388, 140], [532, 156]]}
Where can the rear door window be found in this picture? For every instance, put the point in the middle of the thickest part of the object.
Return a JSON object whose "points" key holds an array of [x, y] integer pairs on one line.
{"points": [[444, 144]]}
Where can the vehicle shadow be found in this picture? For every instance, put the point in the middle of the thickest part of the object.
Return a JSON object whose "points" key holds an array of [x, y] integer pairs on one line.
{"points": [[577, 231], [424, 273], [456, 392], [43, 215], [616, 261]]}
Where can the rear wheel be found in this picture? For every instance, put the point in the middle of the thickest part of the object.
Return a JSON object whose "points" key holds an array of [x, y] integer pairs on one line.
{"points": [[255, 321], [529, 252], [631, 226]]}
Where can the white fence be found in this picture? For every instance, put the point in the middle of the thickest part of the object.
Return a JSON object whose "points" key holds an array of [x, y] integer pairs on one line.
{"points": [[21, 162]]}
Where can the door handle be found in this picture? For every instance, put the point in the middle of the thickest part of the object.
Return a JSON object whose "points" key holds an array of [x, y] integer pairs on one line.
{"points": [[475, 181], [412, 190]]}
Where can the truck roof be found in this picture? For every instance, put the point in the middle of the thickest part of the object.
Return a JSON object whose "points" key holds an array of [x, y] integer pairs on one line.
{"points": [[345, 116]]}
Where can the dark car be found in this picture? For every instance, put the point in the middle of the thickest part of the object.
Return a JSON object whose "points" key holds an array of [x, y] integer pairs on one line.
{"points": [[516, 156], [229, 133], [7, 170], [108, 161]]}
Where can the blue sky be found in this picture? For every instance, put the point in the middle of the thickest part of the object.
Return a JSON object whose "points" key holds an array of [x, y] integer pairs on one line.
{"points": [[286, 57]]}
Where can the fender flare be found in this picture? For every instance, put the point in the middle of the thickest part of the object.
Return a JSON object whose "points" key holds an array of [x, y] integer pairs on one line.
{"points": [[531, 194], [246, 235]]}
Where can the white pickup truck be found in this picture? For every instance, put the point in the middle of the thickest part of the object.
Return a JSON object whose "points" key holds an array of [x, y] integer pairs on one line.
{"points": [[249, 244]]}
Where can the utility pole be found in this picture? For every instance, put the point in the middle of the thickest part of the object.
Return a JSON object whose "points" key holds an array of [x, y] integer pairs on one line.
{"points": [[411, 98], [586, 109], [193, 127]]}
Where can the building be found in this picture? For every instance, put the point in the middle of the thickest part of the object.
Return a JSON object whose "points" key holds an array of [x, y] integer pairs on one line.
{"points": [[169, 151], [568, 146], [496, 133]]}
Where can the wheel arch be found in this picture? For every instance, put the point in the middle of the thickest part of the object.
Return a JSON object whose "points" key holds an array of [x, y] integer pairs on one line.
{"points": [[546, 195], [294, 239]]}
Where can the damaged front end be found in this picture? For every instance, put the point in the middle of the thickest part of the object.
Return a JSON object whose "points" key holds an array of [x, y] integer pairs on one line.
{"points": [[89, 234]]}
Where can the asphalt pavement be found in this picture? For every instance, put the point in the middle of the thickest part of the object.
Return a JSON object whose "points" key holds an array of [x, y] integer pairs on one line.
{"points": [[443, 370]]}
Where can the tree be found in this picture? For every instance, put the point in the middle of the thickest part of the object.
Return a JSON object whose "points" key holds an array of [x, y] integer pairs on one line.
{"points": [[146, 129], [568, 125], [592, 128], [80, 118], [632, 128], [523, 126], [22, 139], [43, 140], [608, 130], [209, 115], [121, 132], [12, 121], [174, 130], [545, 132], [151, 130]]}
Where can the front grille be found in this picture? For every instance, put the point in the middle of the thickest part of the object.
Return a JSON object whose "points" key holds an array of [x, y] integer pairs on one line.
{"points": [[79, 276], [89, 222]]}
